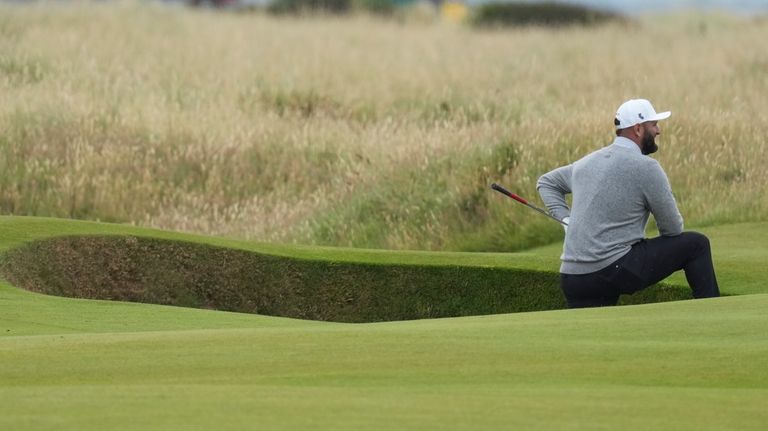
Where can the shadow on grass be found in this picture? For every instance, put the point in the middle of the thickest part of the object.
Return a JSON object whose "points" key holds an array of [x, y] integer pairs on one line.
{"points": [[126, 268]]}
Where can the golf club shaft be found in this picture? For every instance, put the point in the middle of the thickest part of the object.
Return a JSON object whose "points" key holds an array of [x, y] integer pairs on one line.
{"points": [[506, 192]]}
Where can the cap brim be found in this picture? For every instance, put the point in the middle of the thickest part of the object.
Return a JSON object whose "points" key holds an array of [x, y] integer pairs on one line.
{"points": [[661, 116]]}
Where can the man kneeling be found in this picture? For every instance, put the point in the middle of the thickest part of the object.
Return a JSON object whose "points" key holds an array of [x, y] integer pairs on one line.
{"points": [[614, 191]]}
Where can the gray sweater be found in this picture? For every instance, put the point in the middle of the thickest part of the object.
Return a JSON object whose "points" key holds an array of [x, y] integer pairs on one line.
{"points": [[614, 191]]}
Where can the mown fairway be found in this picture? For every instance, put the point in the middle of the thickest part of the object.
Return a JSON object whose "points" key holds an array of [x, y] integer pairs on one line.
{"points": [[77, 364], [692, 365]]}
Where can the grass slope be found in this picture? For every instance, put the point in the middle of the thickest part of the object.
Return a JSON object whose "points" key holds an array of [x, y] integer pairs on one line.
{"points": [[186, 274], [687, 365], [78, 364], [737, 249]]}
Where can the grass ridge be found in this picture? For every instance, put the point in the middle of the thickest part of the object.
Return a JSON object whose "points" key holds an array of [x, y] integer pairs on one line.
{"points": [[308, 282], [180, 272]]}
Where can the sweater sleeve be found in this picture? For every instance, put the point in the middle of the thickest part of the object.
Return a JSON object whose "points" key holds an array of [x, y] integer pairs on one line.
{"points": [[661, 202], [552, 187]]}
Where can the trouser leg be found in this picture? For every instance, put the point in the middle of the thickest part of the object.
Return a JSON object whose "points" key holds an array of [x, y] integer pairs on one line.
{"points": [[649, 262], [655, 259], [589, 290]]}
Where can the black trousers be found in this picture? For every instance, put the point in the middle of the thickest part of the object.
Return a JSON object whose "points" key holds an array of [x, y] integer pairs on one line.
{"points": [[649, 262]]}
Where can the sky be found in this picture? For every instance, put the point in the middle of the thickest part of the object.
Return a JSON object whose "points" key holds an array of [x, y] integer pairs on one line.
{"points": [[648, 6]]}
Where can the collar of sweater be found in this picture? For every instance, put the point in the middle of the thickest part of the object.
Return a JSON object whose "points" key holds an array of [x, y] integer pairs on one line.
{"points": [[623, 142]]}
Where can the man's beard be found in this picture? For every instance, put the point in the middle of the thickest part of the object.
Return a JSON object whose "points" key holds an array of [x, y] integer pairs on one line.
{"points": [[649, 144]]}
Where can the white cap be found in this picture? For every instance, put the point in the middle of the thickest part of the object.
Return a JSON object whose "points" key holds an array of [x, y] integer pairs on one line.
{"points": [[636, 111]]}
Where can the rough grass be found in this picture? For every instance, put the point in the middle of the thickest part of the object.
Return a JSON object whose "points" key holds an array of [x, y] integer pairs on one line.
{"points": [[359, 132]]}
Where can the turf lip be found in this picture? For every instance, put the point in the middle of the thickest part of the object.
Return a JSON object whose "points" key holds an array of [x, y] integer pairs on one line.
{"points": [[177, 272]]}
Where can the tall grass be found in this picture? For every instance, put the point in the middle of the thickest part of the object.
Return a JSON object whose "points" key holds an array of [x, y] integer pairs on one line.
{"points": [[360, 131]]}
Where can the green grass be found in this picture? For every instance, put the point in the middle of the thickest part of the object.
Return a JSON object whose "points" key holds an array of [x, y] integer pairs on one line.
{"points": [[84, 364], [148, 270], [689, 365], [353, 286], [367, 133], [737, 248]]}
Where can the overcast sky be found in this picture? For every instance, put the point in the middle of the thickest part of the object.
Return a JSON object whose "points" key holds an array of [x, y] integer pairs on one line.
{"points": [[644, 6]]}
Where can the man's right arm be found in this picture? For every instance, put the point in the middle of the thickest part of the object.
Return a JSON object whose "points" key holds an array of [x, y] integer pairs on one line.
{"points": [[552, 187], [661, 202]]}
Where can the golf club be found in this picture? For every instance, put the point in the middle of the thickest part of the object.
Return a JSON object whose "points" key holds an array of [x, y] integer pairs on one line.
{"points": [[506, 192]]}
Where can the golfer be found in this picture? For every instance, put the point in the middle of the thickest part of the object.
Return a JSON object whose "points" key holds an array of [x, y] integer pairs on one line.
{"points": [[614, 190]]}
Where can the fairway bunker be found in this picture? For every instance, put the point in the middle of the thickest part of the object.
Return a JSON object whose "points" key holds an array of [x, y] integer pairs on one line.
{"points": [[127, 268]]}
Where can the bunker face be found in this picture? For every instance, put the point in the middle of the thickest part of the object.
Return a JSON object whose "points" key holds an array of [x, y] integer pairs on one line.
{"points": [[127, 268]]}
